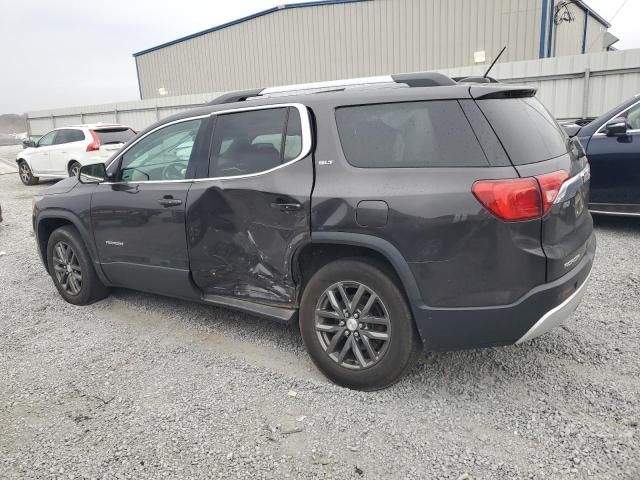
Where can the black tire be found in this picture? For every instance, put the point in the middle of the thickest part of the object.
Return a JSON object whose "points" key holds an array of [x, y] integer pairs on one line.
{"points": [[26, 175], [89, 287], [74, 169], [402, 347]]}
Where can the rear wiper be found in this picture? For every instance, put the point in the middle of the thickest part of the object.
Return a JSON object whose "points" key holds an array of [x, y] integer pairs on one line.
{"points": [[111, 143]]}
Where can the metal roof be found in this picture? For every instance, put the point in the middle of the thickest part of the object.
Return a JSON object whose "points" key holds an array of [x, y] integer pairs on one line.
{"points": [[247, 18]]}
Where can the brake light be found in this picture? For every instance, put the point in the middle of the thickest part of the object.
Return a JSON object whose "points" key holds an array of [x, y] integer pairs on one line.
{"points": [[517, 199], [550, 184], [95, 143]]}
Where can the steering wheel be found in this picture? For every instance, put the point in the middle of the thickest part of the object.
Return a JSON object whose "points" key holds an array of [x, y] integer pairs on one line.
{"points": [[174, 171]]}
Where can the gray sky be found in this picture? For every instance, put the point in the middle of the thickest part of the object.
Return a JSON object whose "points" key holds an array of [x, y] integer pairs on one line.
{"points": [[64, 53]]}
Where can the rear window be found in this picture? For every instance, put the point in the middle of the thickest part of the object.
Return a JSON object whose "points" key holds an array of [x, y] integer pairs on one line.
{"points": [[255, 141], [408, 135], [526, 129], [114, 135]]}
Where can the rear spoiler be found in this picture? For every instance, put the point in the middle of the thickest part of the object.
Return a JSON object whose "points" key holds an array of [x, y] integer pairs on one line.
{"points": [[487, 91]]}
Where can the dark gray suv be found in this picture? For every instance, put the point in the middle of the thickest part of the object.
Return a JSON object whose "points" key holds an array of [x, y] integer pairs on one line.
{"points": [[386, 216]]}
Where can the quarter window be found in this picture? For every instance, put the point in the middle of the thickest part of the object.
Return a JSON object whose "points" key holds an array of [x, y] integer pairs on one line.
{"points": [[408, 135], [161, 155], [255, 141], [68, 136]]}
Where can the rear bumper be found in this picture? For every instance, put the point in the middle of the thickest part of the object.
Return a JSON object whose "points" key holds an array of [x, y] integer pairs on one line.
{"points": [[556, 316], [543, 308]]}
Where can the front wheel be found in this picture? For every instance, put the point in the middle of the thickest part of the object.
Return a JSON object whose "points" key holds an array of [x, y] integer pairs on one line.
{"points": [[26, 175], [357, 326], [74, 169], [71, 268]]}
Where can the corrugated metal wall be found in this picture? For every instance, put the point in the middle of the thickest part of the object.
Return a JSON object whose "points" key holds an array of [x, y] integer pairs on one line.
{"points": [[343, 40], [569, 35], [613, 77], [595, 36]]}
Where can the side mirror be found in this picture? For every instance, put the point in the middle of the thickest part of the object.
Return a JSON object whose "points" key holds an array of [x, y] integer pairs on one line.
{"points": [[94, 173], [29, 143], [617, 127]]}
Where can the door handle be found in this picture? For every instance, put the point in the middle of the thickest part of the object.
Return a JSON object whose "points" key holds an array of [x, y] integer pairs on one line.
{"points": [[286, 206], [169, 201]]}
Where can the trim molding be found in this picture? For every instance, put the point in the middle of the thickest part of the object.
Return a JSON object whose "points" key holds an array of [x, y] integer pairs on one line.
{"points": [[307, 143]]}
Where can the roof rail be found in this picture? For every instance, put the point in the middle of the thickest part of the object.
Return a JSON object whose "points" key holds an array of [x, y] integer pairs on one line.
{"points": [[476, 80], [417, 79], [317, 87], [423, 79], [237, 96]]}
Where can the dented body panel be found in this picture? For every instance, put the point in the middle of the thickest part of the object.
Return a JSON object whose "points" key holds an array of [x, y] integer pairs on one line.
{"points": [[242, 233]]}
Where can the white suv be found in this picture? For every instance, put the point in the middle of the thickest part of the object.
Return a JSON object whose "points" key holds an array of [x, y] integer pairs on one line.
{"points": [[62, 151]]}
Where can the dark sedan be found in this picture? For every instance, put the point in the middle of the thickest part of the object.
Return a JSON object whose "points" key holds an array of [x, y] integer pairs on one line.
{"points": [[612, 143]]}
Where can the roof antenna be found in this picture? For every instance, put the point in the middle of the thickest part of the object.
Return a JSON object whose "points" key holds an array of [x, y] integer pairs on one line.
{"points": [[494, 62]]}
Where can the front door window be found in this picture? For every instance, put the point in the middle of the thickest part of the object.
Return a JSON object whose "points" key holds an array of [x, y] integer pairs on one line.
{"points": [[47, 139], [161, 155]]}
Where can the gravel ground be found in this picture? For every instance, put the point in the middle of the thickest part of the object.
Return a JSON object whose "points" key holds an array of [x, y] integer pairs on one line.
{"points": [[139, 386]]}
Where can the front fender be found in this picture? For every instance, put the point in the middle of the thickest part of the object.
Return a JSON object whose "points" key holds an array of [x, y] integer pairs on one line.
{"points": [[55, 217]]}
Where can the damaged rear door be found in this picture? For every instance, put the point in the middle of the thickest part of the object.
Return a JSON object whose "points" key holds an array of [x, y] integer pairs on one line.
{"points": [[252, 210]]}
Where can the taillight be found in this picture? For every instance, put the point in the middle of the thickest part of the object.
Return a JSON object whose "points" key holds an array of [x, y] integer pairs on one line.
{"points": [[550, 184], [95, 143], [517, 199]]}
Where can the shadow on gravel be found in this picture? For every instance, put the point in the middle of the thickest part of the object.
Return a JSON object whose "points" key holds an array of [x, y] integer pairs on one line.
{"points": [[483, 368], [617, 224], [210, 318]]}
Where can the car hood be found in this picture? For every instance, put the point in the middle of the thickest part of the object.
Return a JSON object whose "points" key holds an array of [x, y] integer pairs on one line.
{"points": [[63, 186], [26, 151], [572, 129]]}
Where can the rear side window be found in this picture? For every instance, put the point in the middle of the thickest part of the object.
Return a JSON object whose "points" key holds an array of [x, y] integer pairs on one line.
{"points": [[408, 135], [526, 129], [68, 136], [255, 141], [114, 135]]}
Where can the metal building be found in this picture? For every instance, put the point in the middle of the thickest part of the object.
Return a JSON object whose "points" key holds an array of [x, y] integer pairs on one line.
{"points": [[334, 39]]}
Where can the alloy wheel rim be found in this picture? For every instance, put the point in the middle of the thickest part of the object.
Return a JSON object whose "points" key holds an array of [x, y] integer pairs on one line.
{"points": [[352, 325], [67, 268], [74, 171], [25, 174]]}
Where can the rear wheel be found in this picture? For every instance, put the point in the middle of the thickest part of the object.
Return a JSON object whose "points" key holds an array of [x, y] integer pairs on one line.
{"points": [[74, 169], [71, 268], [357, 326], [26, 175]]}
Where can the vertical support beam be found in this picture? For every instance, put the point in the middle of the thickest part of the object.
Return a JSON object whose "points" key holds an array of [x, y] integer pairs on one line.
{"points": [[552, 25], [116, 114], [81, 117], [543, 26], [28, 126], [157, 113], [584, 31], [585, 93], [53, 121]]}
